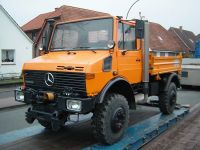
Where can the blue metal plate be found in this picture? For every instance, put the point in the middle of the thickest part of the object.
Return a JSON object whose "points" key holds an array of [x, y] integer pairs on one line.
{"points": [[139, 134]]}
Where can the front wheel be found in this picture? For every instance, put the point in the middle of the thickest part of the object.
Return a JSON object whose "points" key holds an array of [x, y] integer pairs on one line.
{"points": [[110, 119], [45, 124], [167, 99]]}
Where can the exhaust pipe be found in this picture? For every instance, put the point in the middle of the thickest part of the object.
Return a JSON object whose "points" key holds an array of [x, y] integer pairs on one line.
{"points": [[145, 77]]}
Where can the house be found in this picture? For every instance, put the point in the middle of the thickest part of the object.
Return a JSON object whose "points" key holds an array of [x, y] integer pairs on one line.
{"points": [[161, 39], [197, 47], [37, 26], [185, 38], [15, 46], [198, 37], [162, 42]]}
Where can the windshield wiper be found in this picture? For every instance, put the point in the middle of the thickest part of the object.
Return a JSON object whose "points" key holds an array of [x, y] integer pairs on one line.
{"points": [[62, 48], [57, 49], [73, 49], [82, 47], [86, 47]]}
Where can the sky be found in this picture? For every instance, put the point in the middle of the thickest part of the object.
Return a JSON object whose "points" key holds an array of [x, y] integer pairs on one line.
{"points": [[168, 13]]}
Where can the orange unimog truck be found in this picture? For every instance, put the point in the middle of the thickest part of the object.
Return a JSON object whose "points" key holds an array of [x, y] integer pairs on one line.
{"points": [[97, 65]]}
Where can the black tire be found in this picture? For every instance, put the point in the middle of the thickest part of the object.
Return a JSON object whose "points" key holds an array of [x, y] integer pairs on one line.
{"points": [[110, 119], [45, 124], [167, 99]]}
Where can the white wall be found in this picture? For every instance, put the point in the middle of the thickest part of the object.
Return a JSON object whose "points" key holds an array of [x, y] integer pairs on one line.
{"points": [[11, 37]]}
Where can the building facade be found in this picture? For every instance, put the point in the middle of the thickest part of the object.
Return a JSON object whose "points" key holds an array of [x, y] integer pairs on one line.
{"points": [[15, 46]]}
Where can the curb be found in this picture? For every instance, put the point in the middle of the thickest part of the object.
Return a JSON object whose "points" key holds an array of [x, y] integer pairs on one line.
{"points": [[6, 91], [14, 83], [13, 107], [8, 87]]}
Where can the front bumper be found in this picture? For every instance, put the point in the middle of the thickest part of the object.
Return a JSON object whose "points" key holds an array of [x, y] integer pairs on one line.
{"points": [[60, 103], [56, 113]]}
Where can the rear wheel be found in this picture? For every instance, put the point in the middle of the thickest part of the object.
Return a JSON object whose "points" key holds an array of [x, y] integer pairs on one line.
{"points": [[167, 99], [110, 119]]}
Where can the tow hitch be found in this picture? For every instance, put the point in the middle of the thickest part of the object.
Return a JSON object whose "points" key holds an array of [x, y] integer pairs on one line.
{"points": [[51, 120]]}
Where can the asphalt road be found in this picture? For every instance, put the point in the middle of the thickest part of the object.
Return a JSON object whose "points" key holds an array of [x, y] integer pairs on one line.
{"points": [[189, 95], [6, 94], [13, 119], [7, 99]]}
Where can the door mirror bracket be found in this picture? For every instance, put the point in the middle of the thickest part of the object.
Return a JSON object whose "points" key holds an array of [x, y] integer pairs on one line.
{"points": [[123, 51]]}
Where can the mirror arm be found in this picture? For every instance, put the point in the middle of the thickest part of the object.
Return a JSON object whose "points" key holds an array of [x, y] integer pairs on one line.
{"points": [[123, 51]]}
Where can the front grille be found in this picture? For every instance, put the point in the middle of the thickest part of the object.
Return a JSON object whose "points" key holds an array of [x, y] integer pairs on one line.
{"points": [[62, 80]]}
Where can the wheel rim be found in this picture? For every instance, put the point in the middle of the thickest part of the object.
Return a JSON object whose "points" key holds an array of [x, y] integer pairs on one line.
{"points": [[118, 120], [172, 98]]}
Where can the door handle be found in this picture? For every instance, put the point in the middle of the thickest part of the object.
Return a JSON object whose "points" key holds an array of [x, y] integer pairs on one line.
{"points": [[138, 60]]}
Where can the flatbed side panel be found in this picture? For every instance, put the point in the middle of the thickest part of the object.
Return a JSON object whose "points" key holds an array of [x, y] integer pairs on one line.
{"points": [[164, 64], [141, 133]]}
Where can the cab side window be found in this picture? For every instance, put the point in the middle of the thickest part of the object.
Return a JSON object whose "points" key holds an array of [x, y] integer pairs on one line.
{"points": [[126, 37]]}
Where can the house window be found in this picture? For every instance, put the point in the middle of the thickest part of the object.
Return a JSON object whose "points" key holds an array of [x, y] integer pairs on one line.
{"points": [[33, 36], [8, 56], [162, 53]]}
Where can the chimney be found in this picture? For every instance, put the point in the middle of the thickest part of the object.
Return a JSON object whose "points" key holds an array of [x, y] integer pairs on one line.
{"points": [[181, 28]]}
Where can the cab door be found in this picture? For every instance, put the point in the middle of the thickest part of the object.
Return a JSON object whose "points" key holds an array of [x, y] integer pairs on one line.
{"points": [[129, 58]]}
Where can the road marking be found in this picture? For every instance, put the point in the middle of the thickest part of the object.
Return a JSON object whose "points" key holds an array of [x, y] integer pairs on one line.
{"points": [[19, 134], [34, 130]]}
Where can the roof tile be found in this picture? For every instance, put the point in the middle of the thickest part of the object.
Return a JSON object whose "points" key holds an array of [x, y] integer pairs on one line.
{"points": [[185, 38], [161, 39], [65, 13]]}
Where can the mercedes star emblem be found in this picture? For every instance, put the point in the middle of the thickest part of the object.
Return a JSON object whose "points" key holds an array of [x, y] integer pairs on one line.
{"points": [[49, 79]]}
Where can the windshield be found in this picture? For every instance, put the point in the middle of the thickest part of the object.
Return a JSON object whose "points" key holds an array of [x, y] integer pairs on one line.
{"points": [[91, 34]]}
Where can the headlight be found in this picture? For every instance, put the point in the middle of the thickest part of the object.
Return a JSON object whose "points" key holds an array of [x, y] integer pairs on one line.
{"points": [[74, 105], [19, 95]]}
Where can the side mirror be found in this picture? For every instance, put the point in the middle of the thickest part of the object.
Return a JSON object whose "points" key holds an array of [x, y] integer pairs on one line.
{"points": [[139, 29], [111, 44]]}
